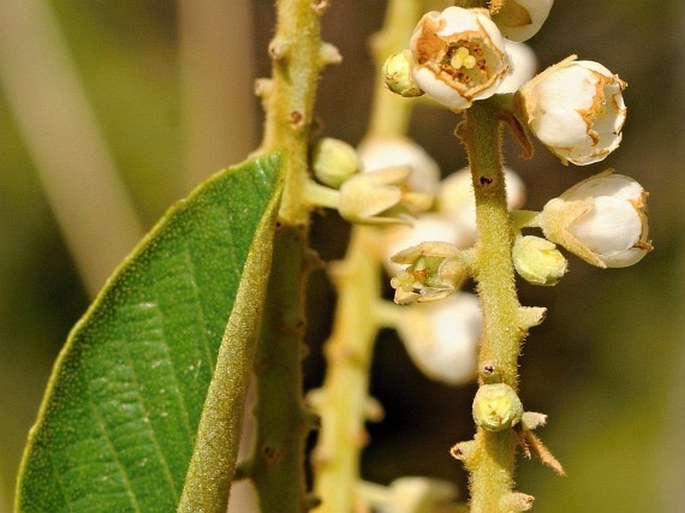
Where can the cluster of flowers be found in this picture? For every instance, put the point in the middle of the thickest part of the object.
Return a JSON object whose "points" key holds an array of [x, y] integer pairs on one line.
{"points": [[575, 108]]}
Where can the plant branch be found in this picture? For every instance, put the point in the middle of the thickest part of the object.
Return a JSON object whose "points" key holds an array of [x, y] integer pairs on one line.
{"points": [[297, 56], [492, 464], [282, 423], [343, 399]]}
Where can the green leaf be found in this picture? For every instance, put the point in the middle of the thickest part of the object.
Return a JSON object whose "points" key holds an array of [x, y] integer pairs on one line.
{"points": [[119, 421]]}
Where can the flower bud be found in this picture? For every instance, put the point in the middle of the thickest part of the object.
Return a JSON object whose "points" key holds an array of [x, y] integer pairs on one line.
{"points": [[398, 75], [388, 152], [601, 219], [435, 271], [457, 202], [538, 260], [496, 407], [380, 197], [576, 109], [459, 56], [442, 338], [334, 161], [520, 20]]}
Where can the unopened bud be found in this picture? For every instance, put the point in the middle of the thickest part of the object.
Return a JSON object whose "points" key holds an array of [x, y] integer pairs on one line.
{"points": [[497, 407], [538, 260], [334, 161], [399, 77], [602, 219]]}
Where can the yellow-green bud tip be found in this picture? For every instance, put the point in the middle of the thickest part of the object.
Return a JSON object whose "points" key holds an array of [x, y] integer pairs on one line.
{"points": [[496, 407], [334, 161], [398, 75]]}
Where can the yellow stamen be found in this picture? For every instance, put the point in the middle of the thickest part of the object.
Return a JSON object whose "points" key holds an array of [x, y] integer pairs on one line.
{"points": [[462, 58]]}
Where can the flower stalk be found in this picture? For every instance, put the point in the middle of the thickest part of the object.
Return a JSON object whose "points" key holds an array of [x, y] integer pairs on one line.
{"points": [[344, 396], [342, 401], [492, 463]]}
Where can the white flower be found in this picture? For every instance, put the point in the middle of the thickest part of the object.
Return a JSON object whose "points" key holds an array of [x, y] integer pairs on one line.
{"points": [[459, 56], [576, 109], [442, 338], [456, 200], [520, 20], [524, 64], [601, 219], [400, 152], [380, 197]]}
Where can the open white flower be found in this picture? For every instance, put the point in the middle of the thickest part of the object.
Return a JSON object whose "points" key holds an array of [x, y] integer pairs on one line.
{"points": [[459, 56], [442, 338], [520, 20], [601, 219], [576, 109]]}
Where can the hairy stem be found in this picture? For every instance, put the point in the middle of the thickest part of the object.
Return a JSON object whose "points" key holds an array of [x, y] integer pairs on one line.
{"points": [[297, 61], [282, 422], [493, 462], [344, 397]]}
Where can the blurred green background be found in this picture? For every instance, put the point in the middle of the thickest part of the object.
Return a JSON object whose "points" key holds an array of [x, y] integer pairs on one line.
{"points": [[159, 95]]}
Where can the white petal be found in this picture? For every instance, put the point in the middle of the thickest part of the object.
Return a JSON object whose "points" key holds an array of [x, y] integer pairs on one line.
{"points": [[613, 225], [523, 66], [576, 108], [386, 152], [538, 10], [442, 338], [618, 186]]}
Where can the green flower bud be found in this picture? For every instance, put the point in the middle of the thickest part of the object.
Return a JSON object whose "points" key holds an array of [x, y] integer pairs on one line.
{"points": [[538, 260], [497, 407], [398, 75], [334, 161]]}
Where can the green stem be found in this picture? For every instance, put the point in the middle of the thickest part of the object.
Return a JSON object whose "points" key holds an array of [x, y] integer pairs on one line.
{"points": [[344, 396], [492, 466], [297, 63], [282, 422]]}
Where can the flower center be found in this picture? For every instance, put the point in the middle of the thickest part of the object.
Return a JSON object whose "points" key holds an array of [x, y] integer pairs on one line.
{"points": [[466, 63], [462, 58]]}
